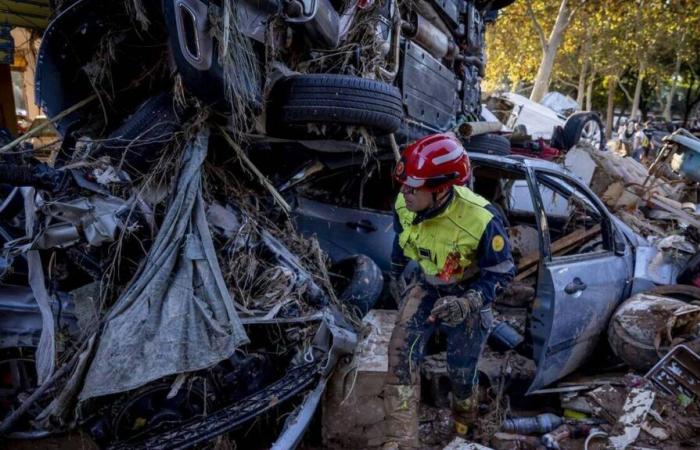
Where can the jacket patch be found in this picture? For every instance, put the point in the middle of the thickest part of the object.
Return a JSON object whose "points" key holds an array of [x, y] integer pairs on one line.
{"points": [[497, 243], [424, 253]]}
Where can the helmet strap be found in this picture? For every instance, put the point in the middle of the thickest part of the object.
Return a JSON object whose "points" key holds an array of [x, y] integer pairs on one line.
{"points": [[440, 202]]}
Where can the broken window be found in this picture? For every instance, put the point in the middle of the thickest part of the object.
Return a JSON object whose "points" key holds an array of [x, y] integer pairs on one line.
{"points": [[379, 188], [508, 191], [339, 188], [570, 212]]}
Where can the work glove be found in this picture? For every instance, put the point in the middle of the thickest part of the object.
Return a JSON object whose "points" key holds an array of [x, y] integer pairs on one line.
{"points": [[452, 310]]}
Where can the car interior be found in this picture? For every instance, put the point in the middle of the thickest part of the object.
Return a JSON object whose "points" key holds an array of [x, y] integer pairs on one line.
{"points": [[372, 187]]}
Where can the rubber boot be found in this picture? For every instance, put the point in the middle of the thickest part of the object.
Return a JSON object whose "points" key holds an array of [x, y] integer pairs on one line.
{"points": [[465, 413], [401, 416]]}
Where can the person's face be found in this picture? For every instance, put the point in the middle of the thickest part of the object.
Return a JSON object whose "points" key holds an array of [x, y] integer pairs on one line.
{"points": [[416, 200]]}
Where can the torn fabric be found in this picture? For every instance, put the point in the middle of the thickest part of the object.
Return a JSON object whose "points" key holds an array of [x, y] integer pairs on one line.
{"points": [[176, 315], [46, 350]]}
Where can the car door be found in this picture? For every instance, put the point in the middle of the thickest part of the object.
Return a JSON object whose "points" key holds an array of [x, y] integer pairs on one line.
{"points": [[329, 207], [578, 291]]}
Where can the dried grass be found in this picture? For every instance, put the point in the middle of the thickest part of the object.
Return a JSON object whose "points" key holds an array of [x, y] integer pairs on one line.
{"points": [[242, 78], [137, 12]]}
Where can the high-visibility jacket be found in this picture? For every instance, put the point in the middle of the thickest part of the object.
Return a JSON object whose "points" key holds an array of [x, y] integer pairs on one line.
{"points": [[465, 238]]}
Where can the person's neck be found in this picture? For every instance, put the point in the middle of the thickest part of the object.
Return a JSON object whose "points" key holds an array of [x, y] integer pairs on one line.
{"points": [[442, 201]]}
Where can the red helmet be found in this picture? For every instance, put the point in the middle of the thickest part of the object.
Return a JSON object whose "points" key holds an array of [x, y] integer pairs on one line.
{"points": [[434, 163]]}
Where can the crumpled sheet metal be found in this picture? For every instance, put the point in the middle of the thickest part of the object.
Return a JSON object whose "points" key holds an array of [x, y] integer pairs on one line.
{"points": [[96, 216], [228, 222], [176, 315]]}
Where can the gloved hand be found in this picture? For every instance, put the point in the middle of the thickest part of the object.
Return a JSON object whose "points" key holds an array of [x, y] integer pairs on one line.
{"points": [[454, 310]]}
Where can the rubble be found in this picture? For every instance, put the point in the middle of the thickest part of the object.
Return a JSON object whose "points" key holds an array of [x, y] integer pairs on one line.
{"points": [[645, 327], [158, 291]]}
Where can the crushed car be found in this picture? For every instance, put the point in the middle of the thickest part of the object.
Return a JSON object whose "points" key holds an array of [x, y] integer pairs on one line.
{"points": [[154, 289], [538, 129], [577, 252]]}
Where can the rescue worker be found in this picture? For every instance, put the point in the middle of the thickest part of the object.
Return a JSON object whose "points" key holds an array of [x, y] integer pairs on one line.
{"points": [[459, 241]]}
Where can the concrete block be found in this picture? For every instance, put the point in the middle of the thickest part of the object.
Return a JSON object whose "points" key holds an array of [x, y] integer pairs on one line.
{"points": [[353, 408]]}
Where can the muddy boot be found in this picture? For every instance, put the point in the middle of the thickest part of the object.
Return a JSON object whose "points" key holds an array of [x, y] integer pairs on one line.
{"points": [[465, 413], [401, 420]]}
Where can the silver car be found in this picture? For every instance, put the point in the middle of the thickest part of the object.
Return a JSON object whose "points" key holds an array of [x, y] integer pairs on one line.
{"points": [[588, 261]]}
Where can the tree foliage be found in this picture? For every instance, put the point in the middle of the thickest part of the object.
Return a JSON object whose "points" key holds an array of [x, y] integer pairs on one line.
{"points": [[646, 47]]}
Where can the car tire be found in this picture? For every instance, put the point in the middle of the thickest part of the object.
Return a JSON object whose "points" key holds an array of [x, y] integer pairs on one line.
{"points": [[635, 325], [359, 282], [584, 127], [492, 144], [691, 272], [322, 99], [144, 134]]}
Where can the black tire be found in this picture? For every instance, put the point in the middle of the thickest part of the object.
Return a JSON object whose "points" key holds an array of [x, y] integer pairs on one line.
{"points": [[300, 100], [691, 271], [144, 134], [493, 144], [358, 281], [584, 126]]}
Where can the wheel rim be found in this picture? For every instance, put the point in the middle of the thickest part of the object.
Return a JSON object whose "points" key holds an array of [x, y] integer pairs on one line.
{"points": [[590, 134]]}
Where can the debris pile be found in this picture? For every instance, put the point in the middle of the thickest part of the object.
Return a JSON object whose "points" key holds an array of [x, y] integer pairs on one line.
{"points": [[154, 292]]}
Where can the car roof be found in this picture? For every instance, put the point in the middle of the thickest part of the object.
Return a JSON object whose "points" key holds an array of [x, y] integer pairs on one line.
{"points": [[519, 161]]}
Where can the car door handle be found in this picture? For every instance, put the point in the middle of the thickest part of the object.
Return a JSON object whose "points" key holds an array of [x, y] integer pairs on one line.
{"points": [[362, 225], [575, 286]]}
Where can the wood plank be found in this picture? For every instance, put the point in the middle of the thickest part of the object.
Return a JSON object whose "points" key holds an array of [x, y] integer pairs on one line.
{"points": [[528, 263], [663, 203]]}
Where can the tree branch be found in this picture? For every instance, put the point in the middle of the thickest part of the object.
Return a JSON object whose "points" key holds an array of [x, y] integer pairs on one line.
{"points": [[536, 24], [566, 82], [624, 89], [572, 13]]}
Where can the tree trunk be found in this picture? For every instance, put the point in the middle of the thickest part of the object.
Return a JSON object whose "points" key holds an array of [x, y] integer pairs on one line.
{"points": [[612, 83], [689, 102], [638, 90], [672, 92], [581, 89], [549, 51], [585, 65], [589, 91]]}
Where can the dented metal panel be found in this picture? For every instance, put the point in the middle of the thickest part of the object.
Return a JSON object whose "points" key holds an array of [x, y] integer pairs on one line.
{"points": [[429, 88]]}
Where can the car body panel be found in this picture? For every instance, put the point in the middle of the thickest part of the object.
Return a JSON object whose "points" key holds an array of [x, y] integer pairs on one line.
{"points": [[538, 119], [576, 294], [566, 327], [342, 232]]}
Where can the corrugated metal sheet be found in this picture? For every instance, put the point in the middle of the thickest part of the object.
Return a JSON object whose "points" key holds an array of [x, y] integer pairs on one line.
{"points": [[25, 13]]}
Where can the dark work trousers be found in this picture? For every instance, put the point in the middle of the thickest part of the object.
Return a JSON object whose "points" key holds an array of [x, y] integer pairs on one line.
{"points": [[465, 342]]}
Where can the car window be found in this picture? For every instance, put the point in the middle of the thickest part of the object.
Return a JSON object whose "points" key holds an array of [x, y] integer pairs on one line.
{"points": [[571, 212], [379, 189], [507, 191], [340, 187]]}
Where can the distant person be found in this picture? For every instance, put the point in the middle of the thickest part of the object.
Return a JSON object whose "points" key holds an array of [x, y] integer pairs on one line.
{"points": [[624, 136], [640, 142]]}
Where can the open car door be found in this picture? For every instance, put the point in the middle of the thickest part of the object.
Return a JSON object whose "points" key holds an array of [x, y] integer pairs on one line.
{"points": [[582, 277]]}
